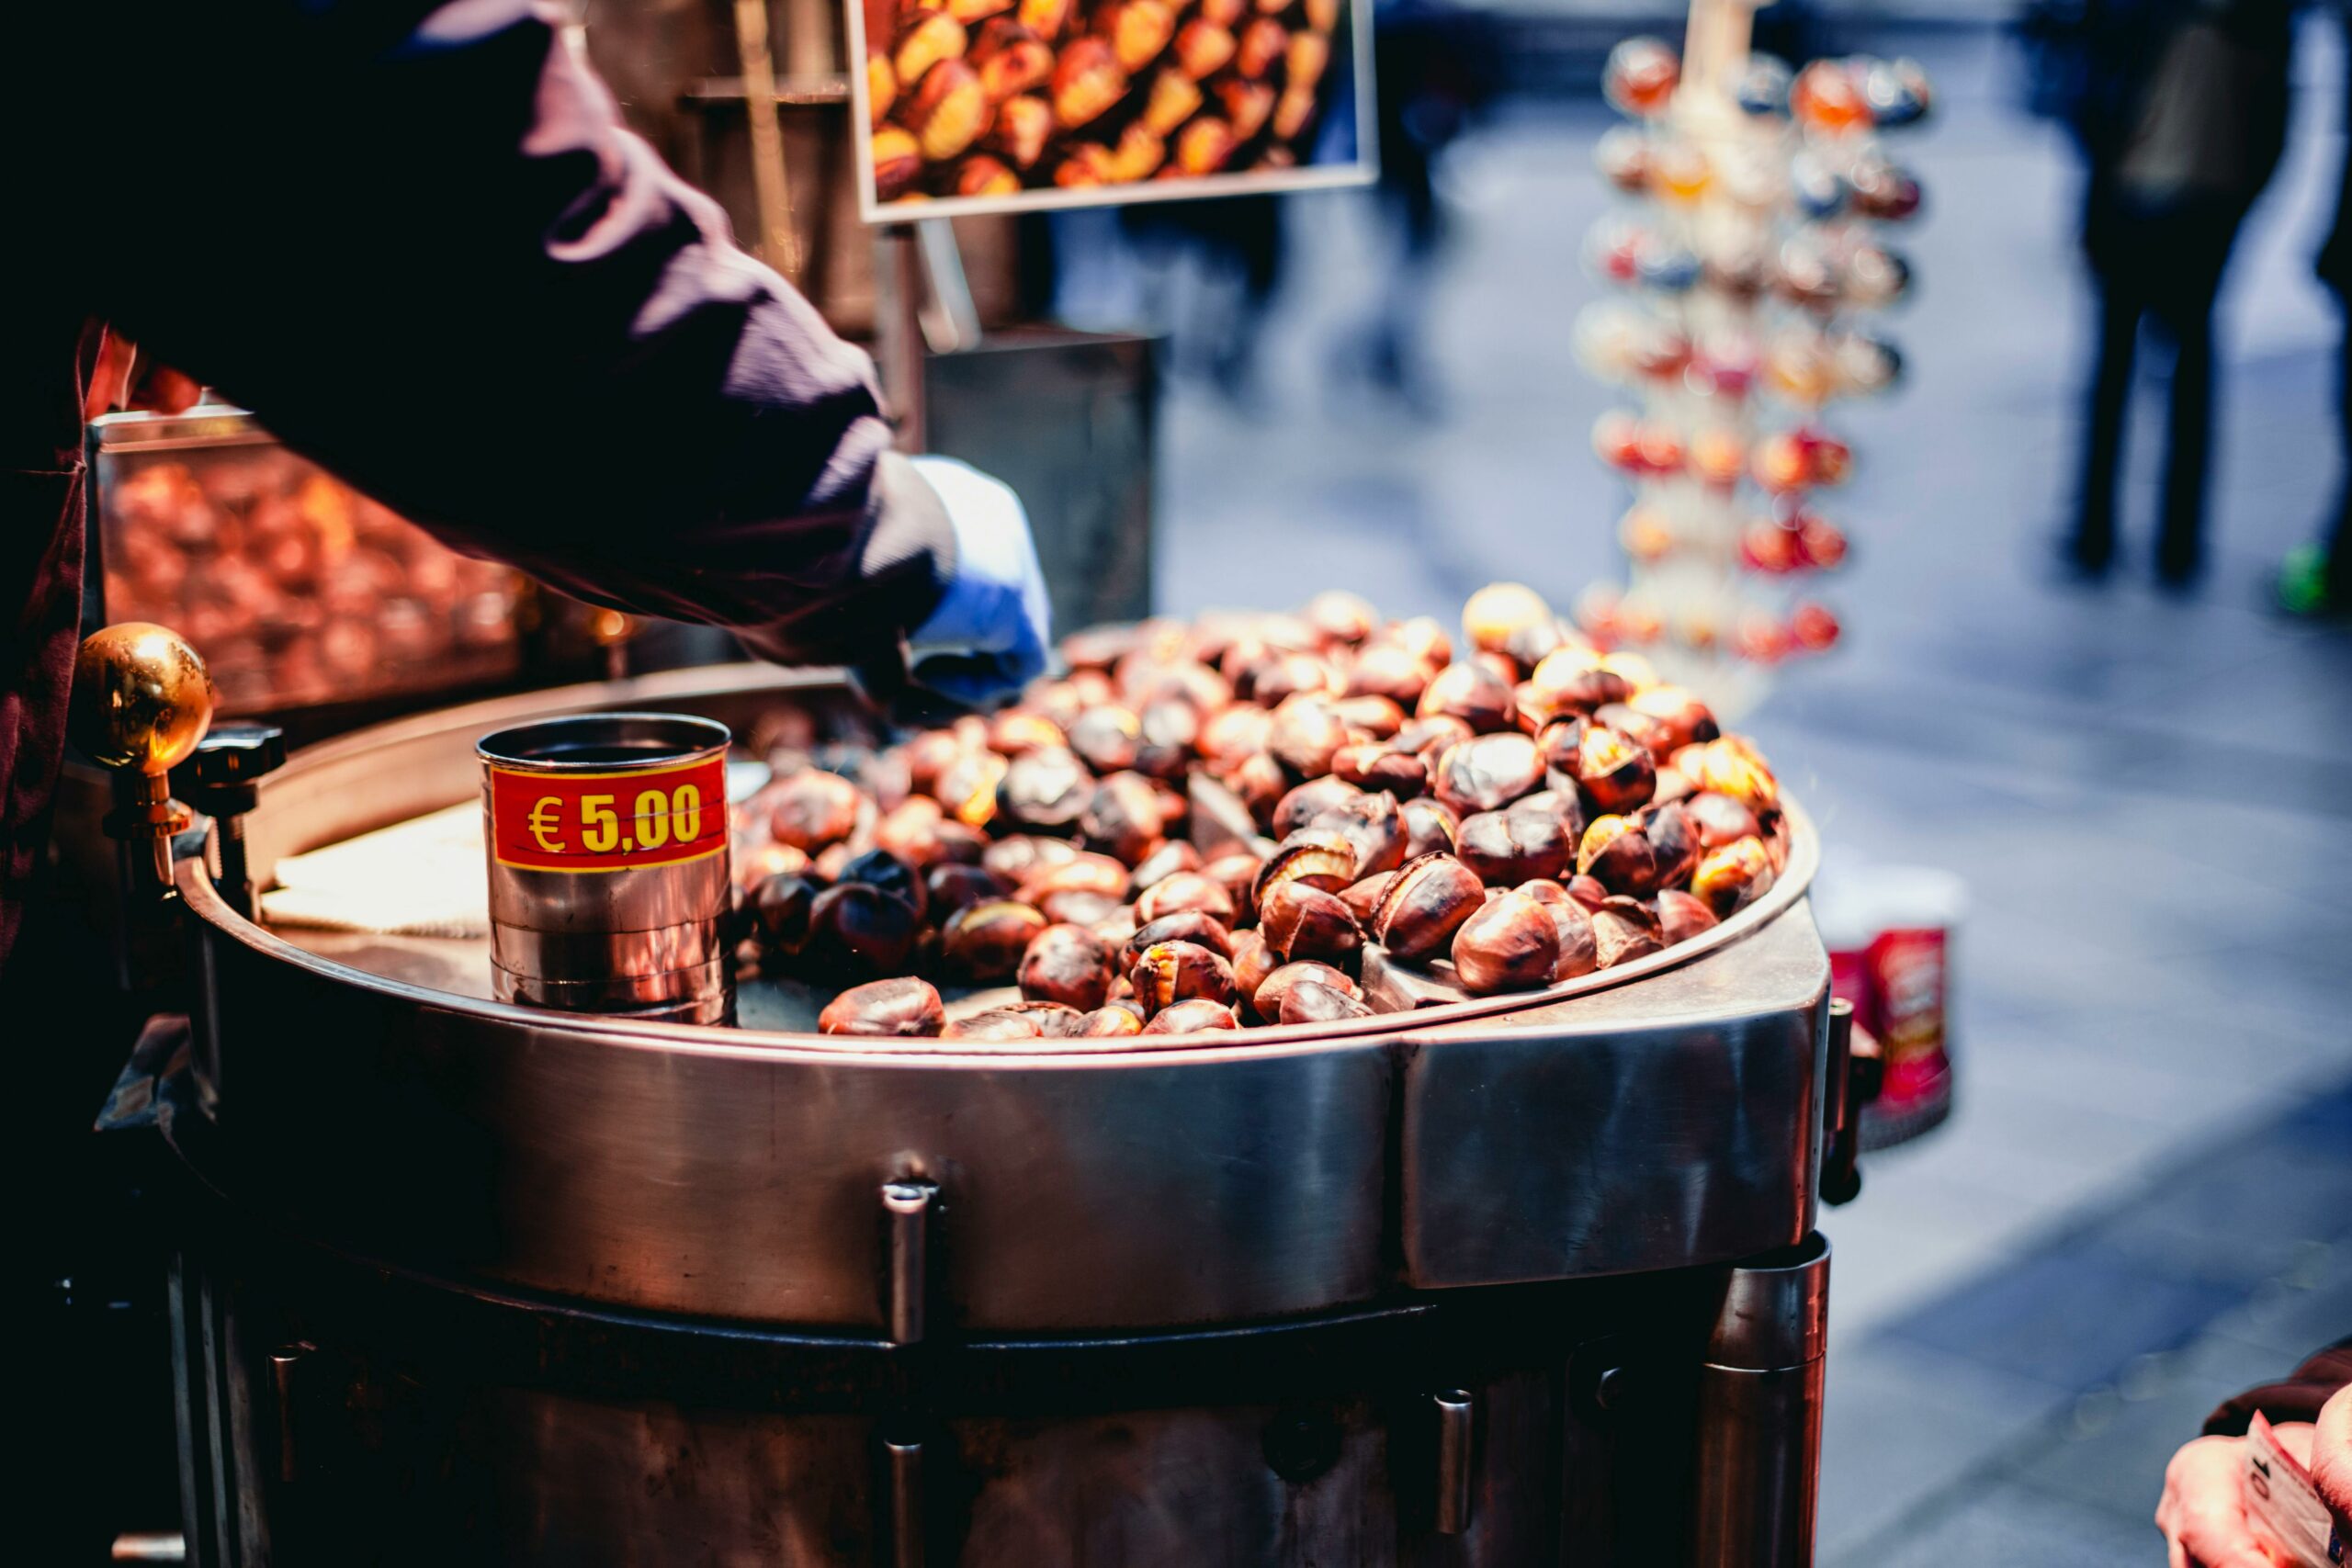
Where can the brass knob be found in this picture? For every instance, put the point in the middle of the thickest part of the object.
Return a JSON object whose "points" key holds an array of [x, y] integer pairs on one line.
{"points": [[141, 698]]}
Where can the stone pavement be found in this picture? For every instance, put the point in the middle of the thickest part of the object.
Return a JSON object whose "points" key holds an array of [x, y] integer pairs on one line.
{"points": [[2145, 1200]]}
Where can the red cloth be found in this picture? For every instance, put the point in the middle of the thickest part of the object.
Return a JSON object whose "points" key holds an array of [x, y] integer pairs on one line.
{"points": [[2296, 1399]]}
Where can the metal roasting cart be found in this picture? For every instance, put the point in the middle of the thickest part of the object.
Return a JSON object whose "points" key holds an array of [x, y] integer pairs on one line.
{"points": [[1516, 1281]]}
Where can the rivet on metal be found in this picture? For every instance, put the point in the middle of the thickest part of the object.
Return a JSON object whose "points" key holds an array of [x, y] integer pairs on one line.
{"points": [[906, 1206], [1455, 1410]]}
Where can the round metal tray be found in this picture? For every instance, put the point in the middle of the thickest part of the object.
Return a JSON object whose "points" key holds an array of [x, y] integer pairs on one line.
{"points": [[1659, 1115]]}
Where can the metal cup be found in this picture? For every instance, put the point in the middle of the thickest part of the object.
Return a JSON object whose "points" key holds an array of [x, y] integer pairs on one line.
{"points": [[608, 844]]}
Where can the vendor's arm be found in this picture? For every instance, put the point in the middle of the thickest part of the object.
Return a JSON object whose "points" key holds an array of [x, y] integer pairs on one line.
{"points": [[419, 244]]}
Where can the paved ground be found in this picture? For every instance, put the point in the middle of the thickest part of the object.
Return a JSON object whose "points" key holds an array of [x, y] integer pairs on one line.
{"points": [[2144, 1200]]}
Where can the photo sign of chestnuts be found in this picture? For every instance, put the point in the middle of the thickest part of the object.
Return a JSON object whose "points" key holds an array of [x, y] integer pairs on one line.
{"points": [[980, 100], [1262, 819]]}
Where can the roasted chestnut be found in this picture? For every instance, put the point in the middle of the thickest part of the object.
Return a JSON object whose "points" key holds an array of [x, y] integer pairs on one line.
{"points": [[1311, 1001], [1387, 671], [1674, 838], [1186, 890], [1123, 818], [1319, 857], [1266, 1000], [1619, 855], [1508, 847], [780, 909], [1184, 925], [898, 1007], [1016, 858], [1299, 808], [1732, 875], [1614, 773], [1624, 929], [1045, 791], [1384, 767], [1510, 943], [1487, 773], [1170, 972], [1252, 962], [813, 809], [1088, 81], [1730, 767], [1068, 964], [1471, 693], [985, 941], [857, 929], [1429, 827], [952, 886], [1299, 921], [1109, 1022], [1681, 715], [1238, 874], [1580, 949], [1424, 904], [1082, 873], [1718, 820], [880, 868], [1681, 916], [1362, 898], [996, 1026], [1192, 1017], [1173, 856], [1500, 613]]}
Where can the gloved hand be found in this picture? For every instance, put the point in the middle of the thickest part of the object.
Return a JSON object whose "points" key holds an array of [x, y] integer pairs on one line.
{"points": [[992, 631]]}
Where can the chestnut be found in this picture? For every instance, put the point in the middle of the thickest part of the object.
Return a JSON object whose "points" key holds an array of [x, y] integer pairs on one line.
{"points": [[1510, 943], [1299, 921], [1363, 897], [1425, 903], [1173, 98], [859, 929], [1674, 838], [1237, 874], [1016, 858], [1429, 827], [903, 1007], [1203, 146], [1732, 875], [1138, 30], [1384, 669], [1728, 765], [1234, 732], [980, 175], [1023, 124], [884, 870], [1718, 820], [1299, 808], [1193, 1016], [1047, 19], [927, 755], [1506, 848], [1318, 857], [1087, 81], [951, 886], [1109, 1022], [1170, 730], [1428, 736], [1487, 773], [1614, 772], [1383, 768], [1374, 829], [1170, 972], [968, 787], [1186, 890], [1307, 732], [985, 941], [813, 809], [1224, 13], [1259, 783], [754, 864], [1184, 925], [1123, 818], [1085, 872], [1000, 1026], [1078, 907], [1619, 856], [1572, 681], [1262, 44], [1312, 1002], [1106, 735], [948, 111], [1252, 962], [1203, 48], [1054, 1020], [881, 87], [1173, 856], [1624, 929], [928, 38], [1068, 964], [1498, 612], [1045, 791], [1266, 1000], [1681, 715], [1471, 693], [1681, 916], [781, 907], [1011, 59], [1580, 949], [1016, 732], [1588, 891], [909, 830], [1377, 716]]}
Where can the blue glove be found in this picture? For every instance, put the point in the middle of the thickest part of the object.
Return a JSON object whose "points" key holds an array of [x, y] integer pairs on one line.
{"points": [[991, 632]]}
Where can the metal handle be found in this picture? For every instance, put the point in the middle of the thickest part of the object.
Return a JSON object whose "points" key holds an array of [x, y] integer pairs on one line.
{"points": [[906, 1208], [906, 1527], [1456, 1414], [1842, 1113]]}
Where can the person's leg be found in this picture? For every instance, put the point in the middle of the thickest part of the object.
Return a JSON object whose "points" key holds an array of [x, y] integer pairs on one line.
{"points": [[2092, 546], [2337, 571], [2183, 310]]}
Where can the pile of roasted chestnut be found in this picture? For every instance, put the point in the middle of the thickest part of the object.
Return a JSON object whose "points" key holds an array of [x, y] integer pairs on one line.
{"points": [[1262, 818], [990, 97]]}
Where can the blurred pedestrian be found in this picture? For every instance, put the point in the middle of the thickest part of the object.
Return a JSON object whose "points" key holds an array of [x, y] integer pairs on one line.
{"points": [[2316, 580], [2180, 106]]}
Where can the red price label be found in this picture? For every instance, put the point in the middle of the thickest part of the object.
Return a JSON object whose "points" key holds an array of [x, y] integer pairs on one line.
{"points": [[608, 822]]}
